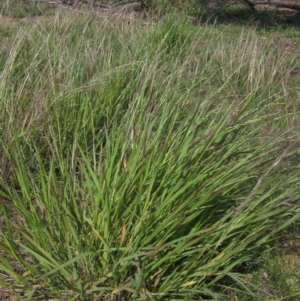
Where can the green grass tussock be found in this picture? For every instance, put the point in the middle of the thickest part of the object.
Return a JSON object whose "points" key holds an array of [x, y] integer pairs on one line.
{"points": [[21, 9], [141, 162]]}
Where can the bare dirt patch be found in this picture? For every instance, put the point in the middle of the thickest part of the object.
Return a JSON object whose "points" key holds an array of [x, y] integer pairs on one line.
{"points": [[6, 21]]}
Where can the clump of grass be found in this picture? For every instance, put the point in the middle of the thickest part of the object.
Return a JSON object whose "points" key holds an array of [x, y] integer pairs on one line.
{"points": [[139, 172], [21, 9]]}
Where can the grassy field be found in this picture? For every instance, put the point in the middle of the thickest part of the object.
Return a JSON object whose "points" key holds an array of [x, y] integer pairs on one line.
{"points": [[148, 158]]}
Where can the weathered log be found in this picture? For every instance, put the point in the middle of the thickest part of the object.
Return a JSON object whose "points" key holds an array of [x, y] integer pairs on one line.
{"points": [[288, 4]]}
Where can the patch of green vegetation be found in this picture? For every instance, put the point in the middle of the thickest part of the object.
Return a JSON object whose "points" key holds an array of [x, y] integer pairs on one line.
{"points": [[21, 9], [276, 274], [147, 161]]}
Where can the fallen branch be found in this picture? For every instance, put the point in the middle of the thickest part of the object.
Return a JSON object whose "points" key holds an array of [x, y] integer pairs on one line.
{"points": [[290, 4]]}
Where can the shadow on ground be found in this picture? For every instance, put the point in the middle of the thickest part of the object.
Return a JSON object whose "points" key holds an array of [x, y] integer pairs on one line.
{"points": [[243, 16]]}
